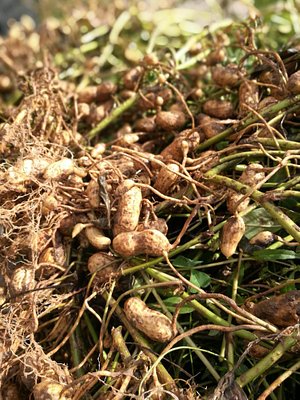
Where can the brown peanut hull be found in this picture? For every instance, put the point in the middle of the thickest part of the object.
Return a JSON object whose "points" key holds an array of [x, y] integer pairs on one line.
{"points": [[283, 310], [152, 323], [128, 214], [149, 241], [232, 233]]}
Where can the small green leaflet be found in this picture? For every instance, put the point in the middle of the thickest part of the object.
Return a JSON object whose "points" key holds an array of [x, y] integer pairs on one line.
{"points": [[184, 262], [259, 220], [199, 279], [276, 254], [172, 302]]}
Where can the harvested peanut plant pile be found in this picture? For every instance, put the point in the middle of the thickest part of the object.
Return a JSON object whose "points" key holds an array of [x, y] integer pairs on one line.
{"points": [[149, 222]]}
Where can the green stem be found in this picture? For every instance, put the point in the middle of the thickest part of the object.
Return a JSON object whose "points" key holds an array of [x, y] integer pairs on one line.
{"points": [[181, 53], [291, 183], [275, 186], [94, 34], [251, 154], [221, 167], [280, 194], [249, 120], [283, 144], [193, 60], [75, 354], [235, 285], [90, 327], [269, 390], [120, 344], [267, 362], [117, 112], [216, 319]]}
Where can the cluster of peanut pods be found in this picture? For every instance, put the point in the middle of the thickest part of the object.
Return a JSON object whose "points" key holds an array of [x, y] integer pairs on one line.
{"points": [[93, 174]]}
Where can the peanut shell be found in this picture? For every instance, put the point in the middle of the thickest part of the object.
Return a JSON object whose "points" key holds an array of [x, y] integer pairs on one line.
{"points": [[221, 109], [252, 176], [293, 84], [105, 266], [248, 96], [105, 90], [132, 77], [93, 193], [87, 95], [233, 202], [22, 280], [50, 390], [167, 178], [263, 238], [97, 238], [232, 233], [129, 208], [152, 323], [175, 150], [210, 126], [59, 169], [149, 241], [170, 120], [225, 76], [282, 310]]}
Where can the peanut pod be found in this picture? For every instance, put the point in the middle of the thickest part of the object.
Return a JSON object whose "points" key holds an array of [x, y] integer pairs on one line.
{"points": [[293, 84], [225, 76], [97, 238], [282, 310], [152, 323], [93, 193], [129, 208], [263, 239], [221, 109], [175, 150], [59, 169], [167, 178], [22, 280], [105, 267], [160, 224], [248, 96], [50, 390], [149, 241], [249, 177], [170, 120], [232, 233], [210, 126]]}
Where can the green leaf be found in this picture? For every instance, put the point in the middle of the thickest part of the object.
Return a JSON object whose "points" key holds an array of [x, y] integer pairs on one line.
{"points": [[185, 262], [259, 220], [279, 177], [199, 279], [172, 302], [276, 254], [291, 203]]}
